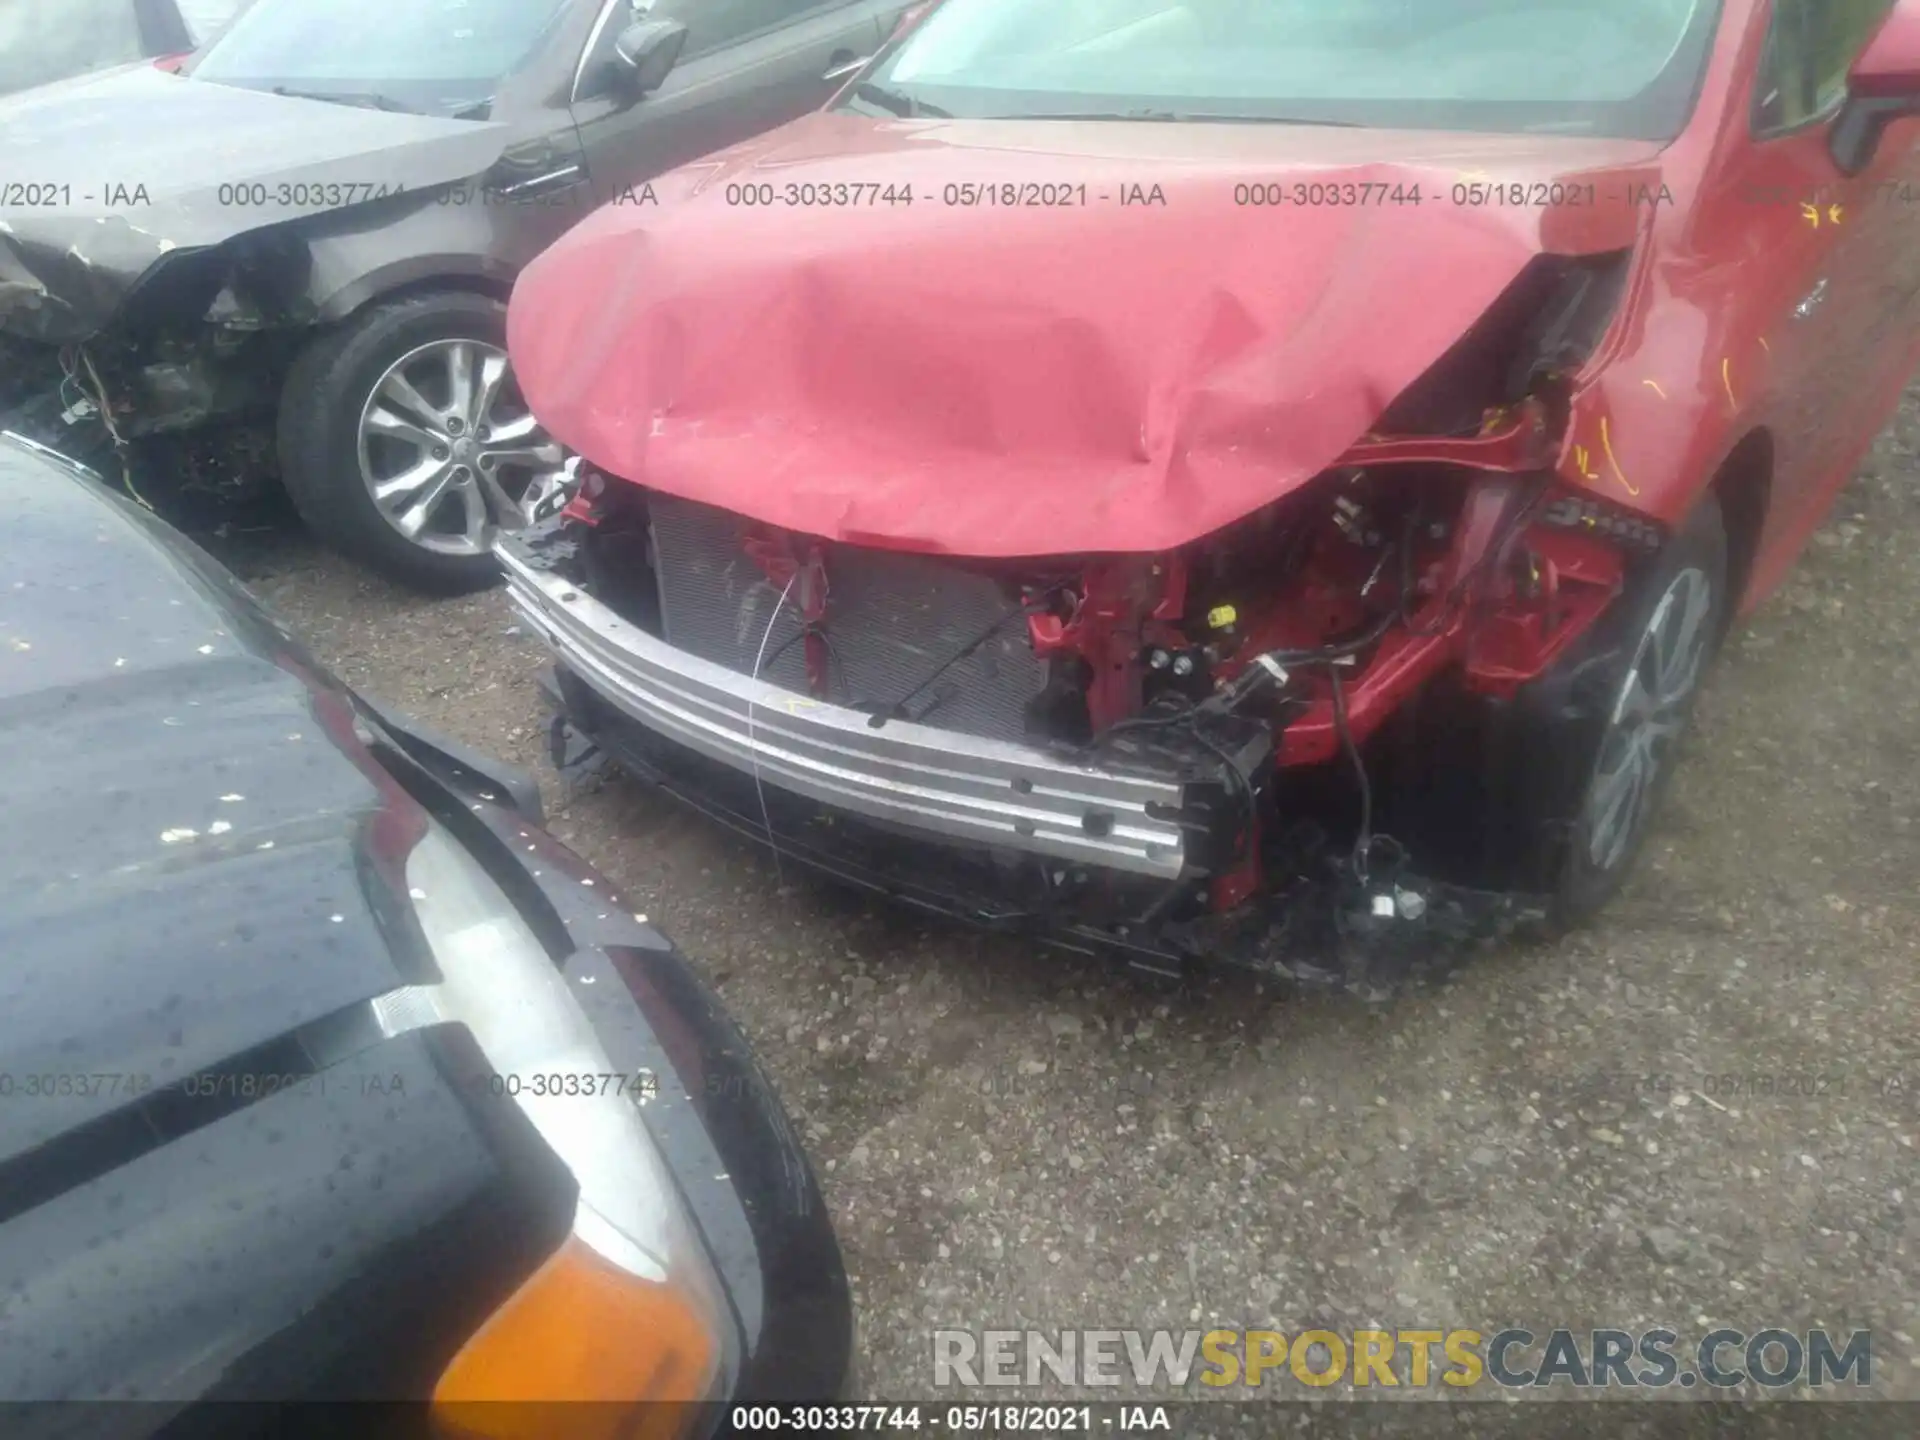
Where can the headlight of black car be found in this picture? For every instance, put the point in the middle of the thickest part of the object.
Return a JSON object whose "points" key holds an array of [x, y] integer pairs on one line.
{"points": [[628, 1313]]}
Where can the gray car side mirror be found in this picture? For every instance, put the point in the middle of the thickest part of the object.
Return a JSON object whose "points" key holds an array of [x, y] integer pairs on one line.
{"points": [[645, 52]]}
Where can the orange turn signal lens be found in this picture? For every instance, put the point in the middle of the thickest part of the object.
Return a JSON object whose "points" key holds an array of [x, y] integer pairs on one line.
{"points": [[582, 1351]]}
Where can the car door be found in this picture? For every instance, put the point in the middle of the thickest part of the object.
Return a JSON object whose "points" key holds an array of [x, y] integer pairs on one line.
{"points": [[748, 65], [1843, 255]]}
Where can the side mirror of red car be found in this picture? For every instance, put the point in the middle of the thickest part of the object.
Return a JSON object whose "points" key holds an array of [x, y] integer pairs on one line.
{"points": [[1883, 86]]}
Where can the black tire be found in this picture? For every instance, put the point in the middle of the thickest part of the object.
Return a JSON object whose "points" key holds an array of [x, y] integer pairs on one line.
{"points": [[327, 388], [1582, 882], [1494, 793]]}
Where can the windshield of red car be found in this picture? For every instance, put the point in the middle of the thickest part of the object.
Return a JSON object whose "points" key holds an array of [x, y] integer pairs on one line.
{"points": [[432, 55], [1605, 67]]}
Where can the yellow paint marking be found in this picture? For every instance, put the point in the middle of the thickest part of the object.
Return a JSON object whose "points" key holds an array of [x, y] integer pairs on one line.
{"points": [[1834, 212], [1606, 440], [1765, 346], [1726, 379], [1810, 213], [1580, 458], [1654, 385]]}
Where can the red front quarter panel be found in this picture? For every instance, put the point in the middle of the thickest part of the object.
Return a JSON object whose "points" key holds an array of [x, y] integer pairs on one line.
{"points": [[1773, 299]]}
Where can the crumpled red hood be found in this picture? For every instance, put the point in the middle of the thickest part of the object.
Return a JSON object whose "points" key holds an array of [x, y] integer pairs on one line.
{"points": [[1001, 380]]}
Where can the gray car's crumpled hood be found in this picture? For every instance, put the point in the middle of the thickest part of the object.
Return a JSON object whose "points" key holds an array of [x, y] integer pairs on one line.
{"points": [[118, 170]]}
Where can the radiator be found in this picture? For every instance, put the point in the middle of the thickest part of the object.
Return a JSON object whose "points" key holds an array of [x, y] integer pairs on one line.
{"points": [[892, 620]]}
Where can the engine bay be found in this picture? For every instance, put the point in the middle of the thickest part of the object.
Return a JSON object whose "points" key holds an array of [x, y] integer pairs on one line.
{"points": [[1271, 667], [1328, 682]]}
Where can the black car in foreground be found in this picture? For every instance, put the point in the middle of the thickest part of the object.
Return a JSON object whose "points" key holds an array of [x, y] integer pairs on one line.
{"points": [[326, 1072]]}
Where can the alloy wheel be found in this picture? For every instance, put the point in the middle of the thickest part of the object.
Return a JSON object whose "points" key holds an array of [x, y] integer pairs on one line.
{"points": [[1649, 713], [449, 450]]}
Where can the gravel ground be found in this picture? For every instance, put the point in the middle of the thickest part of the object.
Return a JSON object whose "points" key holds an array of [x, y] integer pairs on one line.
{"points": [[1701, 1111]]}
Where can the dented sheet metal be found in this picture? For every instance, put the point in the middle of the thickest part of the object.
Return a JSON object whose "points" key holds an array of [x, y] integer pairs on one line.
{"points": [[109, 176], [1077, 337]]}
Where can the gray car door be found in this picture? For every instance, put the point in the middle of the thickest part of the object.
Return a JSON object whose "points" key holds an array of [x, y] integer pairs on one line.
{"points": [[748, 66]]}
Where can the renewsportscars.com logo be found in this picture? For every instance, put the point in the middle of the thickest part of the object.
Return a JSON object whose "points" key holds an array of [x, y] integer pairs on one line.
{"points": [[1412, 1359]]}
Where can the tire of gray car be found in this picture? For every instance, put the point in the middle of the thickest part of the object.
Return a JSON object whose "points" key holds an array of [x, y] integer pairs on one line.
{"points": [[404, 443]]}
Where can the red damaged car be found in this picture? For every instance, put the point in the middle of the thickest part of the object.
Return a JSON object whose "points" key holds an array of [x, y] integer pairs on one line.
{"points": [[1225, 480]]}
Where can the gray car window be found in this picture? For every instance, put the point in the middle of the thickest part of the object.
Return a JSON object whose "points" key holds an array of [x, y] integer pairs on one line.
{"points": [[205, 17], [46, 40], [373, 40], [435, 55], [714, 23]]}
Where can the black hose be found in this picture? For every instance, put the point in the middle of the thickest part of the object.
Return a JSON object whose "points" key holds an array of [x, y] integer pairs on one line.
{"points": [[1363, 842], [895, 711], [809, 627], [1326, 654]]}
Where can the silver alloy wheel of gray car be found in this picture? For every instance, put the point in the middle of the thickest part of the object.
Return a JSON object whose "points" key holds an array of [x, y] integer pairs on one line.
{"points": [[449, 451], [1649, 712]]}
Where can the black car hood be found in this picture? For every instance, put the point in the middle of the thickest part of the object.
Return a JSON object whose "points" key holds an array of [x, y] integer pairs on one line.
{"points": [[198, 855], [131, 166]]}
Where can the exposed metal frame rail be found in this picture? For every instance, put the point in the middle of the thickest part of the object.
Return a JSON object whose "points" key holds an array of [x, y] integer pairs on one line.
{"points": [[927, 779]]}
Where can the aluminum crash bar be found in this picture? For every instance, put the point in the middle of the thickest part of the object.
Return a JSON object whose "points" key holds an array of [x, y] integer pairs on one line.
{"points": [[942, 782]]}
